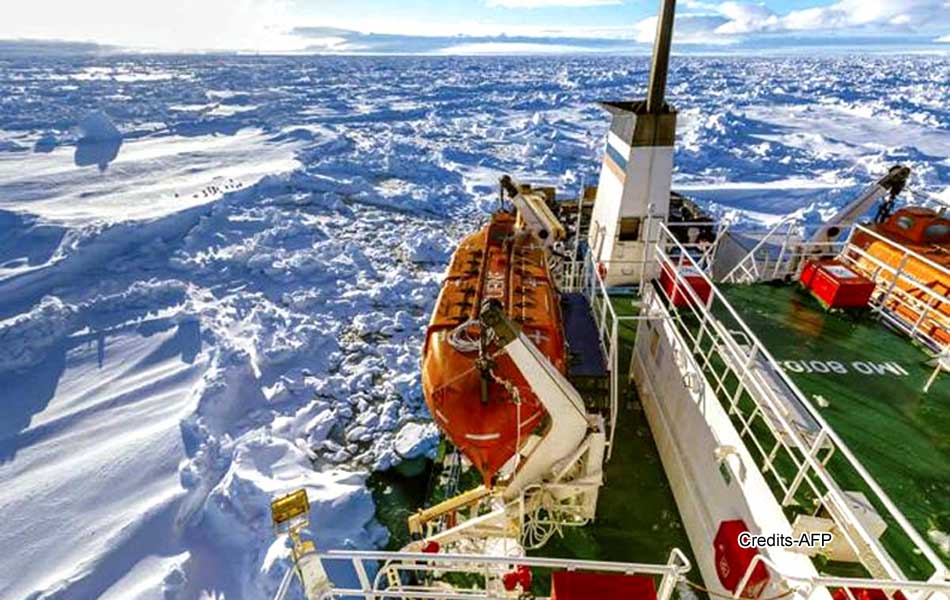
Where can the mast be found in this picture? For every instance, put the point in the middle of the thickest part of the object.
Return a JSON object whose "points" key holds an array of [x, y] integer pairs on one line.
{"points": [[661, 56]]}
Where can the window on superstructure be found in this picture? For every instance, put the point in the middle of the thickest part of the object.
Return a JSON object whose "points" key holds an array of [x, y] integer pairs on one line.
{"points": [[905, 223], [937, 232], [629, 229]]}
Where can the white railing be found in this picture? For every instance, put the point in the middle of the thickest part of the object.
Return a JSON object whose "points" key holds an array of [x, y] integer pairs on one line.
{"points": [[903, 301], [424, 575], [754, 265], [587, 280], [583, 276], [795, 466], [779, 253], [744, 378], [807, 586], [380, 575]]}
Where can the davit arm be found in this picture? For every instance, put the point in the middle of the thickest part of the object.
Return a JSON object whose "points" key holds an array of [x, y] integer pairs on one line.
{"points": [[568, 419]]}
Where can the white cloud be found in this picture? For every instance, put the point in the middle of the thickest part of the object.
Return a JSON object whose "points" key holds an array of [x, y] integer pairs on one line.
{"points": [[548, 3], [852, 14], [697, 5], [743, 17], [265, 25], [843, 16], [944, 39], [690, 29], [166, 24]]}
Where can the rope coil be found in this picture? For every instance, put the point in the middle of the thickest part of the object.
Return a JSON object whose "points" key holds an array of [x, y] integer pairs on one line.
{"points": [[462, 340]]}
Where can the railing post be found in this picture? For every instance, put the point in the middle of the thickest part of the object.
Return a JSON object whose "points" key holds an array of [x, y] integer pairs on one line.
{"points": [[614, 391], [666, 586], [813, 451], [284, 586], [743, 377], [748, 574], [363, 578], [921, 318], [781, 254], [890, 288]]}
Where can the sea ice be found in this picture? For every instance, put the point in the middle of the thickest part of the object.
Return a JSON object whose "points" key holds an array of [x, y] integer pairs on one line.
{"points": [[235, 307], [96, 126]]}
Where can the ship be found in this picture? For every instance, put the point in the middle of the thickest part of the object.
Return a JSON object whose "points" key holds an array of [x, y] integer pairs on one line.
{"points": [[792, 383]]}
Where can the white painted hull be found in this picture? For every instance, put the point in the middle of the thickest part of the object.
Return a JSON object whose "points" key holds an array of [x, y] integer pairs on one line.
{"points": [[692, 430]]}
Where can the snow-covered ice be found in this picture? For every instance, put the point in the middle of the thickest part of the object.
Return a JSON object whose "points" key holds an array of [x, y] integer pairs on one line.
{"points": [[215, 272]]}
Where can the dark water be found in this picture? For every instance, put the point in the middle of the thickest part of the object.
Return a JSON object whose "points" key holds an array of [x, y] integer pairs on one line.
{"points": [[398, 493]]}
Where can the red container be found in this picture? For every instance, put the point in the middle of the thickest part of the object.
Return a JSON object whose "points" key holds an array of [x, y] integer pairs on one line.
{"points": [[732, 561], [577, 585], [675, 288], [835, 285], [866, 594]]}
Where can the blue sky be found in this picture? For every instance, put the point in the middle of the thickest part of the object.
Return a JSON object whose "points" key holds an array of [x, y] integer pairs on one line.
{"points": [[475, 25]]}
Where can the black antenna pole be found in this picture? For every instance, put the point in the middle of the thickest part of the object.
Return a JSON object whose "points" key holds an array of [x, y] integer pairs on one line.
{"points": [[661, 56]]}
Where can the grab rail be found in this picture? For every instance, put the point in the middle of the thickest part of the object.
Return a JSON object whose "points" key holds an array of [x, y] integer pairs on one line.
{"points": [[668, 253], [394, 569], [764, 397]]}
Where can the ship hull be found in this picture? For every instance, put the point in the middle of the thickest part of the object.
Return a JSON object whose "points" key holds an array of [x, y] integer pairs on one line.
{"points": [[713, 476]]}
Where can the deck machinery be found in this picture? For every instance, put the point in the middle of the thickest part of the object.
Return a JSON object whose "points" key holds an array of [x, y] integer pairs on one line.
{"points": [[739, 335]]}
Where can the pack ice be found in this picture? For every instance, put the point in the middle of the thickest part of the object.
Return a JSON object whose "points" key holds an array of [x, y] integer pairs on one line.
{"points": [[216, 272]]}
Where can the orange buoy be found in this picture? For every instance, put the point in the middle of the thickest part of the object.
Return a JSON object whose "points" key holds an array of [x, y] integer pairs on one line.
{"points": [[486, 408]]}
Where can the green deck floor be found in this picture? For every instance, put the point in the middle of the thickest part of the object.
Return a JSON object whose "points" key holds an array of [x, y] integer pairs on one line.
{"points": [[868, 383], [637, 519]]}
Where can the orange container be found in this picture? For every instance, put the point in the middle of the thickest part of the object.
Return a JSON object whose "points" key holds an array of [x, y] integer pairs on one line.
{"points": [[835, 285]]}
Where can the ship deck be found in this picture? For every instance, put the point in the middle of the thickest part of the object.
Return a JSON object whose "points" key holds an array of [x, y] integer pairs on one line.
{"points": [[867, 382], [637, 519]]}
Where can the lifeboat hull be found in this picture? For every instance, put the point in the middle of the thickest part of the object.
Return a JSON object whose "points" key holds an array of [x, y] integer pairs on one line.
{"points": [[488, 414], [908, 228]]}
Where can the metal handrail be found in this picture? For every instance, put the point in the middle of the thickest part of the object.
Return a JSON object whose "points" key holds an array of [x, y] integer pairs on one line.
{"points": [[787, 220], [930, 305], [572, 564], [847, 583], [660, 246], [789, 263], [364, 561], [593, 286], [802, 447], [913, 253]]}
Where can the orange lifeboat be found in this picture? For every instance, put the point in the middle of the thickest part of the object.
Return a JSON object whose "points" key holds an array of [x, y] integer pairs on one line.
{"points": [[927, 234], [486, 408]]}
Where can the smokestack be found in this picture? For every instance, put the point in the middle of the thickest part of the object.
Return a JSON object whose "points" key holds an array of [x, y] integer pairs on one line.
{"points": [[633, 192], [661, 56]]}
